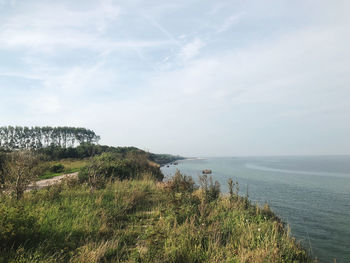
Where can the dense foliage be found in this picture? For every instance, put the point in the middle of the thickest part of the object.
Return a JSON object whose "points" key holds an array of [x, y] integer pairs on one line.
{"points": [[85, 150], [140, 221], [39, 137], [57, 168]]}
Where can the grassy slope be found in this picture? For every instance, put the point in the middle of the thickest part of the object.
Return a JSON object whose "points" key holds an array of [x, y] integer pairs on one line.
{"points": [[139, 221]]}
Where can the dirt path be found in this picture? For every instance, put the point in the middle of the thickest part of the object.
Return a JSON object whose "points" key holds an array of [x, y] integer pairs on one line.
{"points": [[47, 182]]}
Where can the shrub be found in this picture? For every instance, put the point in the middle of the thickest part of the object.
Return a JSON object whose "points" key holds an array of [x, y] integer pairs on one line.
{"points": [[233, 189], [210, 190], [181, 183], [21, 168], [111, 166], [83, 175], [57, 168]]}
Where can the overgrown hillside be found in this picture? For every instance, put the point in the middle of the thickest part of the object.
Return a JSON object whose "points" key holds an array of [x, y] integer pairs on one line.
{"points": [[119, 210], [141, 221]]}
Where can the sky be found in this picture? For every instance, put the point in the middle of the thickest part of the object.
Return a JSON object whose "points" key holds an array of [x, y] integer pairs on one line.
{"points": [[195, 78]]}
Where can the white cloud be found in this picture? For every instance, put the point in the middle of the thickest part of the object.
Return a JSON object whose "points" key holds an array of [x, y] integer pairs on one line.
{"points": [[48, 27], [74, 81], [48, 103], [191, 49], [254, 88], [41, 41], [230, 22], [55, 16]]}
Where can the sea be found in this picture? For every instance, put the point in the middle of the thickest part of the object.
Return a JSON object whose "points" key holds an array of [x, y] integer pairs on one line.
{"points": [[310, 193]]}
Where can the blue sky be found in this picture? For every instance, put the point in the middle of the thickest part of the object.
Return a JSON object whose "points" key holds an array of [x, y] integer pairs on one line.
{"points": [[197, 78]]}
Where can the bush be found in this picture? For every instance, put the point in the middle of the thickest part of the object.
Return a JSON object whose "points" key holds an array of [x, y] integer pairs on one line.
{"points": [[181, 183], [57, 168], [210, 190], [111, 166], [17, 226], [22, 167], [233, 189], [83, 175]]}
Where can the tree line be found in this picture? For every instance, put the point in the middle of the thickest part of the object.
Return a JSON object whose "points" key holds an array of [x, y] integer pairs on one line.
{"points": [[85, 150], [12, 138]]}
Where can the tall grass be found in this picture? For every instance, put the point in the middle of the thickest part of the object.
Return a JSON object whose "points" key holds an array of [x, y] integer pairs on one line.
{"points": [[140, 221]]}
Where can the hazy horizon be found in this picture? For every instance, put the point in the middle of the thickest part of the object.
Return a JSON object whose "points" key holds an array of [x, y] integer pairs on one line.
{"points": [[194, 78]]}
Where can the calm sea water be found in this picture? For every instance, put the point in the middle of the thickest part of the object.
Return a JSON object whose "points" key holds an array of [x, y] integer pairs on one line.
{"points": [[311, 194]]}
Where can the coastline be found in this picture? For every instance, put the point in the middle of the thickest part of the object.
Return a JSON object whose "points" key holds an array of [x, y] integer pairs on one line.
{"points": [[287, 195]]}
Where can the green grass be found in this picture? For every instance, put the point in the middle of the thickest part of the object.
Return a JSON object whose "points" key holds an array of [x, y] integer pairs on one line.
{"points": [[139, 221], [49, 175], [70, 166]]}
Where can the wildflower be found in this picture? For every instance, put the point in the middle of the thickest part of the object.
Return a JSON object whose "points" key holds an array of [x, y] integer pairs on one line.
{"points": [[259, 229]]}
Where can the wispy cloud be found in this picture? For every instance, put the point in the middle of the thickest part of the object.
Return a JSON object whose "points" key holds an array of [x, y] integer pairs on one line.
{"points": [[161, 28], [191, 49], [47, 40], [56, 15], [48, 27], [230, 22]]}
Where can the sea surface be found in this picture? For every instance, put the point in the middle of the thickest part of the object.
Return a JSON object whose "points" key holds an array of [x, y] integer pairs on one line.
{"points": [[311, 194]]}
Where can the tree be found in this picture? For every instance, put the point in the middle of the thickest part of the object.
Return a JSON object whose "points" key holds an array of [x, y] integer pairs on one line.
{"points": [[21, 168], [18, 137]]}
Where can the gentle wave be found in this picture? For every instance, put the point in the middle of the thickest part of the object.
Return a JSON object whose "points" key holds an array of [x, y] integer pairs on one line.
{"points": [[270, 169]]}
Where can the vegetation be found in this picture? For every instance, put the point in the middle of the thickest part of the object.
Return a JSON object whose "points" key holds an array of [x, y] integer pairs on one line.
{"points": [[116, 163], [82, 151], [54, 168], [85, 150], [18, 137], [118, 210], [164, 158], [2, 170], [20, 168], [141, 221], [57, 168], [108, 167], [56, 160]]}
